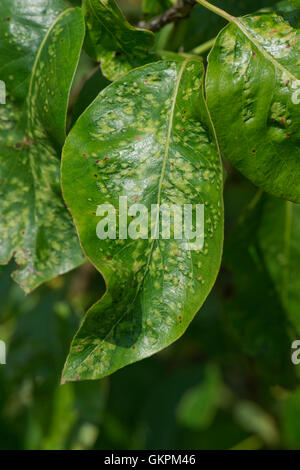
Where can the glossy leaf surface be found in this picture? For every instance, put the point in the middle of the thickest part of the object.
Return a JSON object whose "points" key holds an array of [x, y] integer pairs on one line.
{"points": [[113, 41], [23, 25], [253, 96], [202, 24], [35, 226], [147, 137]]}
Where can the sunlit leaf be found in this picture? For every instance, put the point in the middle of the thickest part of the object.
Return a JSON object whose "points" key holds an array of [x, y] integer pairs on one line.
{"points": [[88, 93], [35, 226], [23, 25], [147, 137], [202, 25], [253, 96], [113, 41]]}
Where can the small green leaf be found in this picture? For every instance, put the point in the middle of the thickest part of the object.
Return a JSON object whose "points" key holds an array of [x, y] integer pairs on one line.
{"points": [[88, 93], [35, 226], [202, 25], [147, 137], [113, 41], [253, 93]]}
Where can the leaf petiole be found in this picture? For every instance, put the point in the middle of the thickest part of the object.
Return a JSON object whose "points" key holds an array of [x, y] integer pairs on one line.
{"points": [[218, 11], [206, 46]]}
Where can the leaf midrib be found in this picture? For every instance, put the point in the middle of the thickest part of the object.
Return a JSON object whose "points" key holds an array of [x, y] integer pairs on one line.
{"points": [[266, 54], [28, 124], [165, 160]]}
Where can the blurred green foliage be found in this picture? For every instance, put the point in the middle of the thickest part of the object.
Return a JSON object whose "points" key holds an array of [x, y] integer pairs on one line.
{"points": [[228, 383]]}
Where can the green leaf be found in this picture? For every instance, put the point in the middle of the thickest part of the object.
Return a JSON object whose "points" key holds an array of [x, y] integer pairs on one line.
{"points": [[147, 137], [279, 236], [203, 25], [23, 26], [252, 93], [113, 41], [35, 226]]}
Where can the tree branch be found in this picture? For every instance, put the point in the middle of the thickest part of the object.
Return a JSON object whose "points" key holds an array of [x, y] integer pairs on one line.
{"points": [[181, 10]]}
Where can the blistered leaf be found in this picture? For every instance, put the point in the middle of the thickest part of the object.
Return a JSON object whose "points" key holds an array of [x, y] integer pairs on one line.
{"points": [[23, 25], [253, 93], [35, 225], [279, 236], [147, 137], [113, 41], [88, 93], [202, 25]]}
